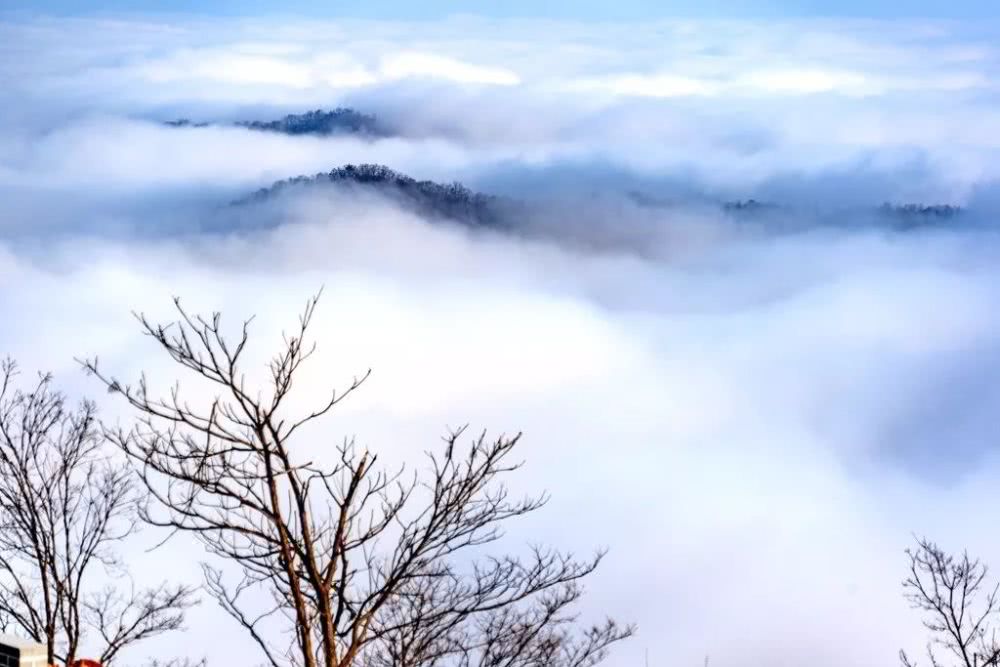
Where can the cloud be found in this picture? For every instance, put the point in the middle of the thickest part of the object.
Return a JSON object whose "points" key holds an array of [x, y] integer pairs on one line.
{"points": [[723, 414], [261, 65], [806, 81], [404, 65], [657, 85], [752, 413]]}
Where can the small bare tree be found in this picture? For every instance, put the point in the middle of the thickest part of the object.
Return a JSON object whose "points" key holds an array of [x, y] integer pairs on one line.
{"points": [[959, 607], [366, 567], [63, 510]]}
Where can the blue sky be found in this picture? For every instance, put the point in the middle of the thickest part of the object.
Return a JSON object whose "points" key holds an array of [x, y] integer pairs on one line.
{"points": [[581, 9]]}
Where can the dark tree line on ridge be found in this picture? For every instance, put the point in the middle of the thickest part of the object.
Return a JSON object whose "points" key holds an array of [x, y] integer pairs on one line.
{"points": [[451, 200], [317, 122], [457, 202]]}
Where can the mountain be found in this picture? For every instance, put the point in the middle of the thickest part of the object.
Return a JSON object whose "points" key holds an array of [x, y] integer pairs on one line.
{"points": [[456, 202], [748, 206], [898, 215], [452, 201], [318, 122], [184, 122], [920, 213]]}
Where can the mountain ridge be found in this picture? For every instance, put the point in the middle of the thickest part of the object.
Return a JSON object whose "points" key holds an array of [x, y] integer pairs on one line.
{"points": [[456, 201], [318, 122]]}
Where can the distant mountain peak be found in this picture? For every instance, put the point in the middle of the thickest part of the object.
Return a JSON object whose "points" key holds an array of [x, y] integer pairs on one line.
{"points": [[318, 122], [445, 200], [337, 121], [921, 210]]}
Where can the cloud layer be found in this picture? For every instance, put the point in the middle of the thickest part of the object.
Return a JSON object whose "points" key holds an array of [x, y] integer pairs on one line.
{"points": [[753, 414]]}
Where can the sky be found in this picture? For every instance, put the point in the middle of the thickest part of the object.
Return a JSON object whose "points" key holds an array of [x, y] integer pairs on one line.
{"points": [[591, 10], [753, 414]]}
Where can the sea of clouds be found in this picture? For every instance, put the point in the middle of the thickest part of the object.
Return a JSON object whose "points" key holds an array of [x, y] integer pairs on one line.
{"points": [[753, 416]]}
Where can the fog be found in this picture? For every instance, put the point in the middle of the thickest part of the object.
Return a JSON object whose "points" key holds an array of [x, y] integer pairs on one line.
{"points": [[754, 416]]}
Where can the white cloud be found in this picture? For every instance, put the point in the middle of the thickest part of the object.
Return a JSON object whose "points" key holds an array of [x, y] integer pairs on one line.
{"points": [[404, 65], [718, 421], [655, 85], [807, 81], [244, 66]]}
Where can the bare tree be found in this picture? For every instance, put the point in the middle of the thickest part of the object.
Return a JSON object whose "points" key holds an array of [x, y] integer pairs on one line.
{"points": [[959, 607], [64, 508], [365, 566]]}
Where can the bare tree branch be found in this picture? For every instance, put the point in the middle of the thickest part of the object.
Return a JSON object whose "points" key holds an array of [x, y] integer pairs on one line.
{"points": [[359, 564], [958, 604], [64, 508]]}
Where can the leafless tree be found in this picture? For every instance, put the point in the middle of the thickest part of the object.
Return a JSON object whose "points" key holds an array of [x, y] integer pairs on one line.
{"points": [[64, 508], [363, 565], [959, 607]]}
